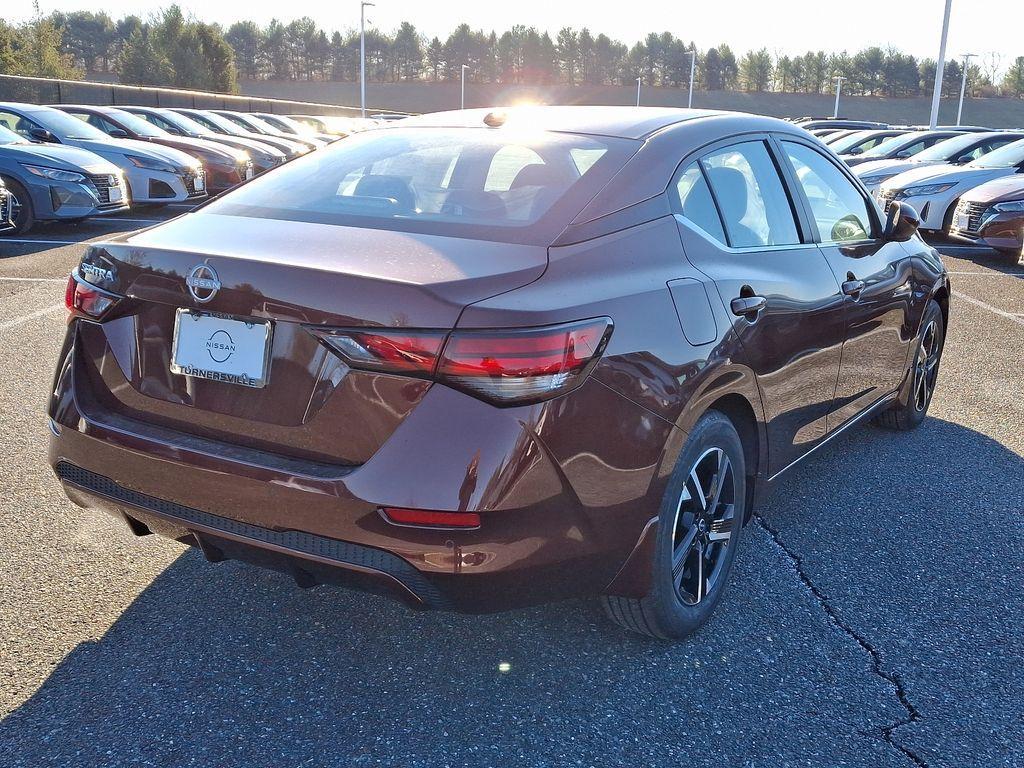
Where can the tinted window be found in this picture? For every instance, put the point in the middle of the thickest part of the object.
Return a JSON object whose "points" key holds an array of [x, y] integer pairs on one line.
{"points": [[436, 180], [838, 207], [751, 197], [696, 204]]}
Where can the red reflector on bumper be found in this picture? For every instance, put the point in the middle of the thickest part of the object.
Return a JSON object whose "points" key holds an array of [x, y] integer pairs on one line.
{"points": [[431, 519]]}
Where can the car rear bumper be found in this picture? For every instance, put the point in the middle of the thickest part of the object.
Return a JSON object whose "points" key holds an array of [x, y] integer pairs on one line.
{"points": [[547, 532]]}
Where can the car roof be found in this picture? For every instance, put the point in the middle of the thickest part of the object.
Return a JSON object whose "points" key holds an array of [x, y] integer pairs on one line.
{"points": [[623, 122]]}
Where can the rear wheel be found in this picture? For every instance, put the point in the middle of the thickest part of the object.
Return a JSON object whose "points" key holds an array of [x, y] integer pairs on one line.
{"points": [[22, 211], [698, 535], [930, 340]]}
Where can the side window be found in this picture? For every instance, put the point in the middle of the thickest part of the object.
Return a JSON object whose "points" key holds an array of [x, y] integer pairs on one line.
{"points": [[17, 123], [838, 207], [916, 147], [750, 195], [696, 204]]}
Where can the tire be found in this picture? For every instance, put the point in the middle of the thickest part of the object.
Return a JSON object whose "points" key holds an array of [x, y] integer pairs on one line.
{"points": [[702, 544], [931, 338], [25, 218]]}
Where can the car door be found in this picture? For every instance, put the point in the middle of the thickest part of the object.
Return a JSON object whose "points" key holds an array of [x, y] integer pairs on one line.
{"points": [[741, 228], [876, 278]]}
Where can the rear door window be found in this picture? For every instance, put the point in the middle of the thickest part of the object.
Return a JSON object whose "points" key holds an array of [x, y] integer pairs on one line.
{"points": [[695, 203], [751, 197]]}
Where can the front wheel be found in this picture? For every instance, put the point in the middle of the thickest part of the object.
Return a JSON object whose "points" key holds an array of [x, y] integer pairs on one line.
{"points": [[923, 376], [698, 534], [22, 211]]}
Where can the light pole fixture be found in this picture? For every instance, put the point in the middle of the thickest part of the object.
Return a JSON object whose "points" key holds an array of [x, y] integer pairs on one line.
{"points": [[693, 66], [362, 56], [839, 88], [463, 101], [963, 86], [638, 90], [940, 66]]}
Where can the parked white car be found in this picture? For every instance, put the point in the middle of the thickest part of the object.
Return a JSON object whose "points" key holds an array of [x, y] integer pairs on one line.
{"points": [[933, 191], [155, 175], [956, 151]]}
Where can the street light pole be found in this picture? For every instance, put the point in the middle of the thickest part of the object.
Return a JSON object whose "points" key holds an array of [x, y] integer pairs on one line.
{"points": [[839, 89], [362, 57], [463, 101], [638, 90], [693, 65], [940, 66], [963, 86]]}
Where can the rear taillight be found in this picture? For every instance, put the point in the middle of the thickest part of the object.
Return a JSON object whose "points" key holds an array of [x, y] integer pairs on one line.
{"points": [[413, 353], [85, 300], [508, 366], [523, 365]]}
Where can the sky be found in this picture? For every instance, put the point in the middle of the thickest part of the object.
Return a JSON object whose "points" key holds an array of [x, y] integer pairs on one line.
{"points": [[783, 26]]}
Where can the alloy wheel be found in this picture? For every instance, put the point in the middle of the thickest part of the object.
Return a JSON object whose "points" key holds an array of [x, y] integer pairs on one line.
{"points": [[927, 367], [703, 528]]}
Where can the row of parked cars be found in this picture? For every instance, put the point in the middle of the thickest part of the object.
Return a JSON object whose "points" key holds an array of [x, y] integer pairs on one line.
{"points": [[69, 162], [965, 182]]}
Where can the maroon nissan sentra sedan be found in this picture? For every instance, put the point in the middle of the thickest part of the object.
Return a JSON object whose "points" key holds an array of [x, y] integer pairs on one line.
{"points": [[487, 359]]}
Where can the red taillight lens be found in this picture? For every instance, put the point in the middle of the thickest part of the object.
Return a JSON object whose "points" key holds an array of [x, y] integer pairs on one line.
{"points": [[430, 519], [523, 365], [84, 300], [408, 352], [506, 367]]}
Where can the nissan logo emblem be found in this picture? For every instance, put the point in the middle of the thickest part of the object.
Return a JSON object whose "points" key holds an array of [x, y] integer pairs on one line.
{"points": [[203, 283]]}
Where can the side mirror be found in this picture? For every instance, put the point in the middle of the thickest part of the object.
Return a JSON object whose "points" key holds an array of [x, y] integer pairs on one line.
{"points": [[901, 222], [117, 133], [963, 160], [855, 151], [41, 134], [904, 154], [173, 131]]}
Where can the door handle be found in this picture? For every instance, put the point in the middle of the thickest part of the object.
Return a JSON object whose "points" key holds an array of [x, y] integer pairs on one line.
{"points": [[748, 306], [853, 286]]}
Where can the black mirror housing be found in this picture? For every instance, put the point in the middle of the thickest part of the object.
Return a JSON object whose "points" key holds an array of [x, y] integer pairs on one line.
{"points": [[41, 134], [901, 222], [117, 133]]}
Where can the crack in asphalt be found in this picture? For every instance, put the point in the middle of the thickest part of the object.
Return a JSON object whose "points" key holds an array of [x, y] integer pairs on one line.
{"points": [[913, 715]]}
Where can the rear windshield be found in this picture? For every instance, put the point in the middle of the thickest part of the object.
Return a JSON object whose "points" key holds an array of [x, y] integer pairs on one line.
{"points": [[479, 183]]}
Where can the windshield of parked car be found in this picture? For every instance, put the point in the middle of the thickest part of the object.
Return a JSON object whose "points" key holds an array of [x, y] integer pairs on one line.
{"points": [[61, 124], [892, 144], [462, 182], [846, 143], [137, 125], [1004, 157], [218, 121], [947, 149], [7, 136]]}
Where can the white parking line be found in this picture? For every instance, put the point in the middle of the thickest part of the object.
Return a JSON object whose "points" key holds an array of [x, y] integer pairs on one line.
{"points": [[43, 242], [989, 274], [1018, 319], [30, 316], [36, 279]]}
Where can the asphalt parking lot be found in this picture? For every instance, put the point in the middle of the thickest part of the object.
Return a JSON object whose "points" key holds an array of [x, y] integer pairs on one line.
{"points": [[876, 617]]}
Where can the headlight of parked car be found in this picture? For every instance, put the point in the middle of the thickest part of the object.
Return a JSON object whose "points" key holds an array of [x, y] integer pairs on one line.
{"points": [[150, 165], [54, 173], [1014, 206], [926, 189], [872, 181]]}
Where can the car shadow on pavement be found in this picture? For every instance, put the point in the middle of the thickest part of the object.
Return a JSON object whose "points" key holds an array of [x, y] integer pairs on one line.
{"points": [[223, 665]]}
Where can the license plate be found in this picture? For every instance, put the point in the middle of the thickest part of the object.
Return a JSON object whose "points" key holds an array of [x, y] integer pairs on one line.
{"points": [[221, 349], [115, 194], [963, 222], [200, 184]]}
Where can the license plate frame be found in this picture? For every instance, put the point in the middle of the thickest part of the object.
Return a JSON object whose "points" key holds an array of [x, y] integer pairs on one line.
{"points": [[257, 336]]}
